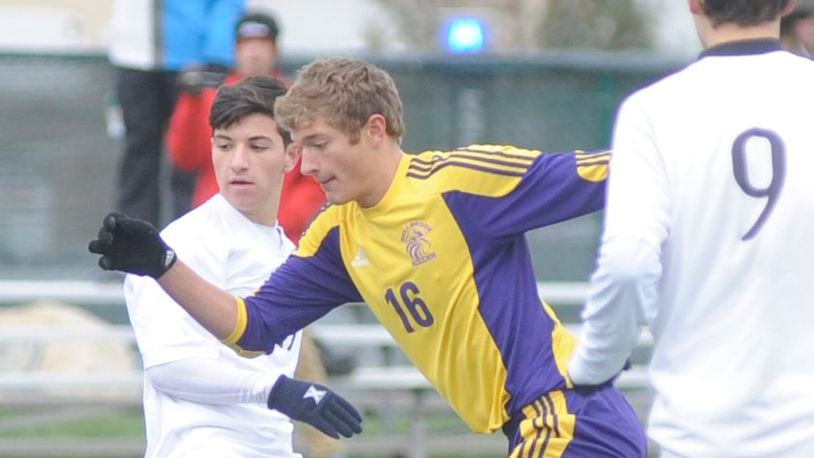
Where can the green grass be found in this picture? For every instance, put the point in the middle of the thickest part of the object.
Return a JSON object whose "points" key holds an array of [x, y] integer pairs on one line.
{"points": [[129, 425], [113, 425], [438, 423]]}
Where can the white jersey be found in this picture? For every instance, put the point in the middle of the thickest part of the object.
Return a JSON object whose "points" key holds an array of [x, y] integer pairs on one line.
{"points": [[711, 165], [231, 252]]}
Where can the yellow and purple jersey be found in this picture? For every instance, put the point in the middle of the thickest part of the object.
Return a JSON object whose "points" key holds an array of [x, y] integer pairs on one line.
{"points": [[443, 263]]}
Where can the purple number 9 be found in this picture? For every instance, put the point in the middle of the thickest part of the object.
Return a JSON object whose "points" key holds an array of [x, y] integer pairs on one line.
{"points": [[772, 191]]}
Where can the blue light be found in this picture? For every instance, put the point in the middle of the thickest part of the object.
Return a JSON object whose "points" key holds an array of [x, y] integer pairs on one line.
{"points": [[465, 35]]}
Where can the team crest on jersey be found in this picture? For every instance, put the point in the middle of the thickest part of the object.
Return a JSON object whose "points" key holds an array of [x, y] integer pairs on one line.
{"points": [[416, 238]]}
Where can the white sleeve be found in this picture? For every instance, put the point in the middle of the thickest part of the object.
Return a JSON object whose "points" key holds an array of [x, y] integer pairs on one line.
{"points": [[209, 381], [639, 201], [620, 301], [164, 331], [623, 295]]}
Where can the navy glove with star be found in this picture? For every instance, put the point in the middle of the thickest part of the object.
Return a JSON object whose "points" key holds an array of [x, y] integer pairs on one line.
{"points": [[316, 405]]}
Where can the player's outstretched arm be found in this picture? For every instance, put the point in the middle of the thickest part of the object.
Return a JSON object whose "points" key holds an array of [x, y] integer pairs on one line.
{"points": [[134, 246], [316, 405], [210, 381]]}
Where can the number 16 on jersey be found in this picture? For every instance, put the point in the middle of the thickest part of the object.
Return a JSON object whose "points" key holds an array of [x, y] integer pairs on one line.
{"points": [[409, 299]]}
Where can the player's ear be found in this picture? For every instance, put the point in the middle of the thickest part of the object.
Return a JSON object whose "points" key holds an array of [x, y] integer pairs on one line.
{"points": [[696, 6], [375, 128], [292, 154]]}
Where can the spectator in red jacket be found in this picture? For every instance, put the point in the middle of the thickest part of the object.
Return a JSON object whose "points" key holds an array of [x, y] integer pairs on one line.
{"points": [[189, 136]]}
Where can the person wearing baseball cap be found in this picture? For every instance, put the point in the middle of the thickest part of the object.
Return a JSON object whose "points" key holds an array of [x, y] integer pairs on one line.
{"points": [[189, 135], [256, 52], [257, 25]]}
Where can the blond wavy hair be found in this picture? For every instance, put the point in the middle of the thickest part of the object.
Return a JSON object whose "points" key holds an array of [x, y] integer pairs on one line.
{"points": [[344, 93]]}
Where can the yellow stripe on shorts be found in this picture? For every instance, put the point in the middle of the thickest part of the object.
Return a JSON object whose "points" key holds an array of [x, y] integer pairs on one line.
{"points": [[547, 429]]}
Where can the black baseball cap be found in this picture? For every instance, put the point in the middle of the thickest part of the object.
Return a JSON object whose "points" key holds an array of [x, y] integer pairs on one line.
{"points": [[257, 25]]}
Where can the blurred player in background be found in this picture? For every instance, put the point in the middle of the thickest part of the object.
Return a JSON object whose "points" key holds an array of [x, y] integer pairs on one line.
{"points": [[797, 29], [151, 41], [200, 397], [708, 238], [434, 243]]}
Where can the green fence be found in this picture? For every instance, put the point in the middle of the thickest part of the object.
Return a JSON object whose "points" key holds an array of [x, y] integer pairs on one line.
{"points": [[59, 166]]}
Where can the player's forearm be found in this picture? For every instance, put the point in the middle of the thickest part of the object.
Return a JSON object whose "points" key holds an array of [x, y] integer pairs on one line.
{"points": [[209, 381], [601, 354], [213, 308], [621, 300]]}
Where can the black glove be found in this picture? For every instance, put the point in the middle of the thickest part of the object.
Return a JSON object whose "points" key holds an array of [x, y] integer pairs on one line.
{"points": [[316, 405], [131, 245], [195, 78]]}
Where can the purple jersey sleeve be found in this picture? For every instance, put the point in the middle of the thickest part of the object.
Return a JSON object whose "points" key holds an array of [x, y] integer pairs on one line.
{"points": [[300, 291]]}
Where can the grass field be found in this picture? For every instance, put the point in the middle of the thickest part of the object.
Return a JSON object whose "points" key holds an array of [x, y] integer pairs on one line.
{"points": [[40, 423], [97, 431]]}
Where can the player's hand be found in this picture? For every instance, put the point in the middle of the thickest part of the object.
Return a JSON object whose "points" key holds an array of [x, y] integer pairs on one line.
{"points": [[131, 245], [587, 389], [195, 78], [316, 405]]}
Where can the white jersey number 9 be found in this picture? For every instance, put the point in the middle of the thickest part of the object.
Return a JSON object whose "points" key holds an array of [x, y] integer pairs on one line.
{"points": [[740, 168]]}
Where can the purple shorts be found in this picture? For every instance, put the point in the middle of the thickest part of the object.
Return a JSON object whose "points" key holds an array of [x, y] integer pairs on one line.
{"points": [[592, 423]]}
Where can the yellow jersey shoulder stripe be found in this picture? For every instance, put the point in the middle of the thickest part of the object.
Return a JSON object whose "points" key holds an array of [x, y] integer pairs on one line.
{"points": [[328, 218], [581, 154], [487, 170], [509, 149], [604, 160], [593, 166], [426, 164], [474, 158]]}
